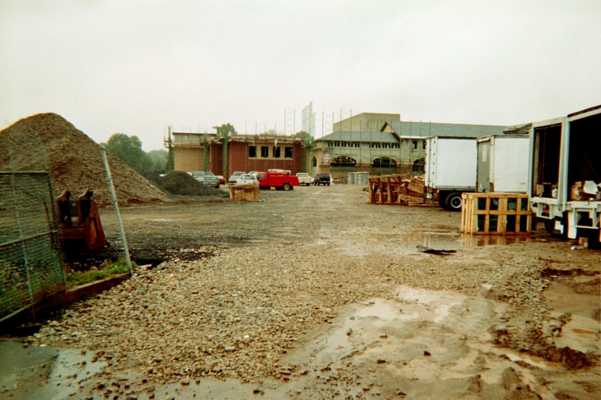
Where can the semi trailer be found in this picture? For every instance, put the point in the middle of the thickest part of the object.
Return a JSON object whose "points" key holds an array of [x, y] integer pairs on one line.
{"points": [[503, 163], [564, 183], [451, 165]]}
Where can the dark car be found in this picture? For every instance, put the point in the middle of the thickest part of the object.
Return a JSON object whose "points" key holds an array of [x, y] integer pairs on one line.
{"points": [[322, 179]]}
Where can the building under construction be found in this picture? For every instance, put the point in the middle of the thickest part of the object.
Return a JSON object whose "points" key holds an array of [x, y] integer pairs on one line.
{"points": [[204, 151]]}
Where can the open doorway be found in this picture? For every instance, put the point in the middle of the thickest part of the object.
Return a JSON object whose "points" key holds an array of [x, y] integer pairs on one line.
{"points": [[547, 143], [585, 142]]}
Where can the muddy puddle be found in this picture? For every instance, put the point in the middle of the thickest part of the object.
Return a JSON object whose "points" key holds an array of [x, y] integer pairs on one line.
{"points": [[42, 372], [430, 344]]}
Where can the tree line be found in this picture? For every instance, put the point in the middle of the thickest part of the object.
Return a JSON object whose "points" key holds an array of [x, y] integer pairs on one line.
{"points": [[129, 149]]}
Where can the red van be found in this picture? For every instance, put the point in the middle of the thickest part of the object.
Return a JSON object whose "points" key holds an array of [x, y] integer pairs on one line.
{"points": [[279, 179]]}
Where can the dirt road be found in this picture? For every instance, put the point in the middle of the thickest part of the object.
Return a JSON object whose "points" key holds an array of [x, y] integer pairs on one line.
{"points": [[317, 294]]}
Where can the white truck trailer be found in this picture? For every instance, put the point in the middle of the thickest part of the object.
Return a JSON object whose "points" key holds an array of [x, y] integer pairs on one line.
{"points": [[451, 165], [565, 174], [503, 163]]}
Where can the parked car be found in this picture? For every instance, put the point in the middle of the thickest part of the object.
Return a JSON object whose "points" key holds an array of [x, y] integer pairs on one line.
{"points": [[278, 180], [322, 179], [234, 177], [206, 178], [247, 179], [304, 178]]}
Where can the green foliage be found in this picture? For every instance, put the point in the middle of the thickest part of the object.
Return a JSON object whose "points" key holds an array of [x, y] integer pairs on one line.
{"points": [[225, 130], [158, 160], [83, 277], [307, 138], [129, 149]]}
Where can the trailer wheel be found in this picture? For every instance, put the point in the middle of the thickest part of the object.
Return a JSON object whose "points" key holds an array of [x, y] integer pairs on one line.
{"points": [[287, 187], [453, 201]]}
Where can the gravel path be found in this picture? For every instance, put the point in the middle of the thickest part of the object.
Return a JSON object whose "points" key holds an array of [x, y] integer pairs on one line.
{"points": [[296, 259]]}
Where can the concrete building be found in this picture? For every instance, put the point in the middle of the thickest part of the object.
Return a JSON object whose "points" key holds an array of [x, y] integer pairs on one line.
{"points": [[395, 146], [204, 151]]}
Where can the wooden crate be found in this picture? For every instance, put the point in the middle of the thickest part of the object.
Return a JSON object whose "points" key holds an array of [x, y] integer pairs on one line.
{"points": [[397, 190], [244, 193], [496, 214]]}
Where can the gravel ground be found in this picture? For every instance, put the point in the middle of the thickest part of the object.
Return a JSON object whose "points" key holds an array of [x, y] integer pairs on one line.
{"points": [[286, 266]]}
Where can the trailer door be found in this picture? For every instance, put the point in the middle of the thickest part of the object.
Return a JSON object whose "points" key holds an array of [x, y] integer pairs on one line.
{"points": [[457, 164]]}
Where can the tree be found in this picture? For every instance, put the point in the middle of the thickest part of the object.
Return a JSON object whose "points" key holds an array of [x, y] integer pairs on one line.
{"points": [[128, 149], [226, 129], [158, 160], [307, 138]]}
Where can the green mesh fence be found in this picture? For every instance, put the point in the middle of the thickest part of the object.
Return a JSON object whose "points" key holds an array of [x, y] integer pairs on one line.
{"points": [[30, 263]]}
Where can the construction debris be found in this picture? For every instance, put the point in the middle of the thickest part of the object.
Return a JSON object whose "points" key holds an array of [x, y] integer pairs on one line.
{"points": [[398, 189]]}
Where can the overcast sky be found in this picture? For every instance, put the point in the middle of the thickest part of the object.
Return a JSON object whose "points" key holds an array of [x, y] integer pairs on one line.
{"points": [[139, 66]]}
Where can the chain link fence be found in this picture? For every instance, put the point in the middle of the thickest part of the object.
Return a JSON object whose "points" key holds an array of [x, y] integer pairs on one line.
{"points": [[30, 260]]}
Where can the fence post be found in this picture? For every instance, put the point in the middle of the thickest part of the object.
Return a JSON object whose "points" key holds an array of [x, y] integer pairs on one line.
{"points": [[109, 178]]}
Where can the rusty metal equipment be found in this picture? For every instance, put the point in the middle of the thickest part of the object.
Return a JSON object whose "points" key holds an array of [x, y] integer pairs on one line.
{"points": [[79, 222]]}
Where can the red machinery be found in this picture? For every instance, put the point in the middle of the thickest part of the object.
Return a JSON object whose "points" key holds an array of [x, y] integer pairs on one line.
{"points": [[79, 221]]}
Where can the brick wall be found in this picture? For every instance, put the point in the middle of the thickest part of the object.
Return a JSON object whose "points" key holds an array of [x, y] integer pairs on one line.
{"points": [[190, 159]]}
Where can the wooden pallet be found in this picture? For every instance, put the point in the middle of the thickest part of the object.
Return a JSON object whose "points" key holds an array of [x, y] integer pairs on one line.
{"points": [[397, 190], [244, 193], [496, 214]]}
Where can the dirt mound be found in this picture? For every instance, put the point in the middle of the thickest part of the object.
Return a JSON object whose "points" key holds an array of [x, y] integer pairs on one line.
{"points": [[182, 183], [50, 142]]}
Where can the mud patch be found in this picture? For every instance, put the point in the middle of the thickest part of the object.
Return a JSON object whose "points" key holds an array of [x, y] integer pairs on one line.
{"points": [[420, 344]]}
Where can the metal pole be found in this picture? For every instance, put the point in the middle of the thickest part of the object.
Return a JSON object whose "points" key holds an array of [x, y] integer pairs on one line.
{"points": [[109, 178]]}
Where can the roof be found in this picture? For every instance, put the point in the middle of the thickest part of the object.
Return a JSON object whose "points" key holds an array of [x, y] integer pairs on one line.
{"points": [[410, 128], [522, 129], [359, 136], [246, 138], [593, 108]]}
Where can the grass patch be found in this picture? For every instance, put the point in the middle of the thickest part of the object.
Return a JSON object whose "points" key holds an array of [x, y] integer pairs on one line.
{"points": [[112, 268]]}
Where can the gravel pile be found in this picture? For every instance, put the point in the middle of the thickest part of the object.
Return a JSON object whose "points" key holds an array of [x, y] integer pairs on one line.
{"points": [[182, 183], [49, 142]]}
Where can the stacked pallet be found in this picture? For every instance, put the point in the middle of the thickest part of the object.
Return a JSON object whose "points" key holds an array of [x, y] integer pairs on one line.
{"points": [[398, 190], [244, 192], [496, 214]]}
